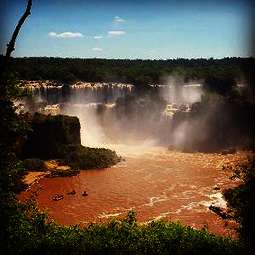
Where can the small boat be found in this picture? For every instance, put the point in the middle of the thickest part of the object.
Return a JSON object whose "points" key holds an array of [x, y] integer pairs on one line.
{"points": [[71, 192], [84, 194], [57, 197]]}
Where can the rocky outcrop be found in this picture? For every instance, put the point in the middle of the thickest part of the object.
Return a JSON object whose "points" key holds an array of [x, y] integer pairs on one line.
{"points": [[219, 211], [50, 135], [58, 137]]}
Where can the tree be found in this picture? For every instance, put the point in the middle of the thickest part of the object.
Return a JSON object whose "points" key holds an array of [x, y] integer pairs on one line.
{"points": [[11, 127], [5, 86]]}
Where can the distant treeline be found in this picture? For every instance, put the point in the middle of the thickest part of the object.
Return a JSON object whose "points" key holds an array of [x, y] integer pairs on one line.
{"points": [[69, 70]]}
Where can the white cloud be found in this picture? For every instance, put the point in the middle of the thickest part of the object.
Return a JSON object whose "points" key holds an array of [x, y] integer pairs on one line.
{"points": [[118, 19], [52, 34], [116, 33], [97, 37], [97, 49], [66, 35]]}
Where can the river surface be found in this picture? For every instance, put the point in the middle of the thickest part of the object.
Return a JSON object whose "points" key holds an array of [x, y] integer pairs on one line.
{"points": [[153, 181]]}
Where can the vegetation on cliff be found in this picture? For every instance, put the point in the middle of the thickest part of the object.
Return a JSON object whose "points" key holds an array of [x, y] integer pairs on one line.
{"points": [[80, 157]]}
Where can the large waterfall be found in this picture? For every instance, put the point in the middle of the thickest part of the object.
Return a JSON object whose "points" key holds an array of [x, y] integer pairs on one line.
{"points": [[117, 112]]}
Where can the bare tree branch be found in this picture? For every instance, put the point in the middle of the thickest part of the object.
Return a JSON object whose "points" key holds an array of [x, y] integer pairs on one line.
{"points": [[10, 49], [11, 44]]}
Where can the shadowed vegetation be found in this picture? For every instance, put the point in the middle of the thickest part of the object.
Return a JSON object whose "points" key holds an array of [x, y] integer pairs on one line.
{"points": [[30, 234], [242, 201]]}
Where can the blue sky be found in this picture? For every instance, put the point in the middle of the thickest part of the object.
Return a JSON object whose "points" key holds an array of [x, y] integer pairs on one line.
{"points": [[130, 29]]}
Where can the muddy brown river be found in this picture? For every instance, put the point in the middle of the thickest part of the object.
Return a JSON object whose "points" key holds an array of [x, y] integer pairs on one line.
{"points": [[153, 181]]}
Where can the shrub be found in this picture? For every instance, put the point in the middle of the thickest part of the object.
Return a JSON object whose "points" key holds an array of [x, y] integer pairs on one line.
{"points": [[80, 157], [31, 233], [242, 200], [34, 164], [63, 173]]}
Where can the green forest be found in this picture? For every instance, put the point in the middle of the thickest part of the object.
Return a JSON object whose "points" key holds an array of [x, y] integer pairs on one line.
{"points": [[137, 72]]}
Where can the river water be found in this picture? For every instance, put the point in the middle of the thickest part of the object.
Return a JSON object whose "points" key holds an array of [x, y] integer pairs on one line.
{"points": [[155, 182]]}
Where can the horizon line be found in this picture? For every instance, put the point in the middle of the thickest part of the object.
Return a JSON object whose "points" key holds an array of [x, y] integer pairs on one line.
{"points": [[144, 59]]}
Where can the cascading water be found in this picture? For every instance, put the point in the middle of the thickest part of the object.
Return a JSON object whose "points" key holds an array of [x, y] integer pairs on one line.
{"points": [[114, 113]]}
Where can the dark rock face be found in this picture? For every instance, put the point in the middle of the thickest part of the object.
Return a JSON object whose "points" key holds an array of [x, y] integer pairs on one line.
{"points": [[50, 135], [58, 137]]}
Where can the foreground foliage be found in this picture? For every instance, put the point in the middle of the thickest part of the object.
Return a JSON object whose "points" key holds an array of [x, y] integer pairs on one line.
{"points": [[242, 201], [28, 233]]}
